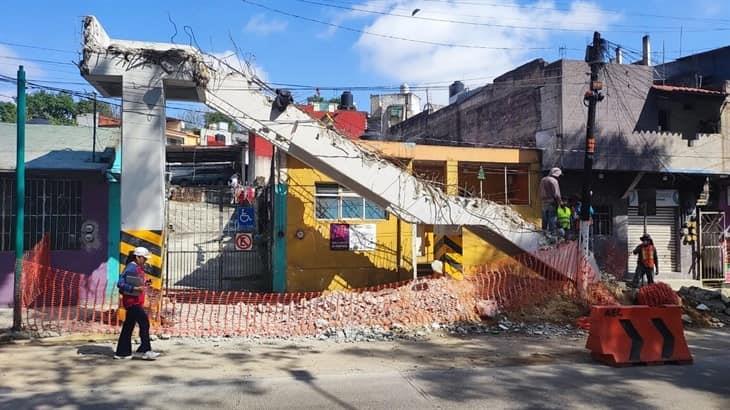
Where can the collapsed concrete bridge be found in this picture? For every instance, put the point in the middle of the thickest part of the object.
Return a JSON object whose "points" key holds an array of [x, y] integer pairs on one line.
{"points": [[145, 75]]}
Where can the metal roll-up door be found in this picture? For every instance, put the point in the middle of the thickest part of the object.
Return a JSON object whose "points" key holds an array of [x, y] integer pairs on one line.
{"points": [[663, 230]]}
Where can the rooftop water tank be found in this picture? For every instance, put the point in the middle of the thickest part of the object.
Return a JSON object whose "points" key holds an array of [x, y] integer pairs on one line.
{"points": [[455, 88], [346, 101]]}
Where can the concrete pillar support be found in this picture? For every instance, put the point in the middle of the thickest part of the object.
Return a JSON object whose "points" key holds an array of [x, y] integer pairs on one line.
{"points": [[143, 151]]}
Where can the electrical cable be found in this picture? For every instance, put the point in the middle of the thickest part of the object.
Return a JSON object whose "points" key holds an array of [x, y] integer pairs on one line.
{"points": [[392, 37], [599, 12], [495, 25], [447, 10]]}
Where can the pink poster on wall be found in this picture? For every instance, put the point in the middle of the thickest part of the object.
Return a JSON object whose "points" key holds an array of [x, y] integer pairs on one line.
{"points": [[339, 237]]}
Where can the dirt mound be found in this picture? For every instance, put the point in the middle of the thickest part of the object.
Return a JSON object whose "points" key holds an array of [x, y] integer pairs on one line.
{"points": [[558, 309]]}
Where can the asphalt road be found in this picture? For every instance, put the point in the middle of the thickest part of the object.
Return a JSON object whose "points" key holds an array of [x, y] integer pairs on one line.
{"points": [[473, 372]]}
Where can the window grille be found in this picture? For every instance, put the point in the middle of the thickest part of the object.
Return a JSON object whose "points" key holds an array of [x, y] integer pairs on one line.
{"points": [[52, 206], [333, 201]]}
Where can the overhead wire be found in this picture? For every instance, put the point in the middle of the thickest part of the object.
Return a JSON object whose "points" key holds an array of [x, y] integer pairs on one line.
{"points": [[112, 102], [598, 12], [392, 37], [37, 60], [448, 11], [495, 25], [57, 50]]}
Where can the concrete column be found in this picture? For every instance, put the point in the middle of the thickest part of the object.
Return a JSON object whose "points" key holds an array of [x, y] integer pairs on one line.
{"points": [[143, 151], [452, 177]]}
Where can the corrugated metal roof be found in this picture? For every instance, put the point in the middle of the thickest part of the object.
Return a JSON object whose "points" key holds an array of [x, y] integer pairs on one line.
{"points": [[57, 147], [687, 90]]}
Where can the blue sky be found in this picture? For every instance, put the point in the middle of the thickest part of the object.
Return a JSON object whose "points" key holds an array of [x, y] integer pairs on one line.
{"points": [[486, 37]]}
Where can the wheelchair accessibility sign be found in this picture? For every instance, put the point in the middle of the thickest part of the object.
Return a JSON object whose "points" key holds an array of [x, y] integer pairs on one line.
{"points": [[246, 219]]}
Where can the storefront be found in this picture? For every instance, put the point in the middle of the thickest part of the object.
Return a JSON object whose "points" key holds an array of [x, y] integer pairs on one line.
{"points": [[663, 228]]}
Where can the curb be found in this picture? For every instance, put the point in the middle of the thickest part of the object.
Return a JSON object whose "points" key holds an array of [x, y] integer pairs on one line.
{"points": [[9, 339]]}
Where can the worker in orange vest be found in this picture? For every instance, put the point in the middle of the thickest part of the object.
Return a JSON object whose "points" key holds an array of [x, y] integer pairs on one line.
{"points": [[647, 261]]}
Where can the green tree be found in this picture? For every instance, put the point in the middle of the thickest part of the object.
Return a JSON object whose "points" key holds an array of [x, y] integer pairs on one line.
{"points": [[85, 106], [336, 100], [8, 112], [59, 109], [215, 117], [315, 98]]}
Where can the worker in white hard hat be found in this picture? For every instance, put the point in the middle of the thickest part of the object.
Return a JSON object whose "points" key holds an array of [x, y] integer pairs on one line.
{"points": [[551, 199], [132, 285]]}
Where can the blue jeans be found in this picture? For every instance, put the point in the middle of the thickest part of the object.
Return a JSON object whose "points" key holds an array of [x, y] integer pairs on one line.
{"points": [[549, 218]]}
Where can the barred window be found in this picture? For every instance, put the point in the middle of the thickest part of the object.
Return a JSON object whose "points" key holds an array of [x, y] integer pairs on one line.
{"points": [[602, 220], [52, 206], [333, 201]]}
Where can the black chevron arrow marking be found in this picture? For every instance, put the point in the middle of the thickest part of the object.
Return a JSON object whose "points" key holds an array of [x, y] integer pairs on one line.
{"points": [[636, 341], [668, 346]]}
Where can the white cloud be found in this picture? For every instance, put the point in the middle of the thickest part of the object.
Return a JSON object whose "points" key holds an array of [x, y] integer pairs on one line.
{"points": [[406, 61], [710, 8], [9, 67], [263, 26]]}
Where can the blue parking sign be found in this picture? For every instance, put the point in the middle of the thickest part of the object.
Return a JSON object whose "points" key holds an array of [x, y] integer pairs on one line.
{"points": [[246, 219]]}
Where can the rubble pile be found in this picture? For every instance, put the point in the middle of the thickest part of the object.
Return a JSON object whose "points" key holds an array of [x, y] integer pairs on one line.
{"points": [[501, 326], [704, 307], [617, 288], [439, 300]]}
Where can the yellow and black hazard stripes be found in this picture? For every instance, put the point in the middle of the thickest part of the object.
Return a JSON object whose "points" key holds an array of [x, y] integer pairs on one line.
{"points": [[450, 252], [153, 241]]}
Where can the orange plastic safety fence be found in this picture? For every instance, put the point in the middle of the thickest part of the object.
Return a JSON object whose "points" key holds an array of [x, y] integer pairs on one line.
{"points": [[65, 301], [657, 294]]}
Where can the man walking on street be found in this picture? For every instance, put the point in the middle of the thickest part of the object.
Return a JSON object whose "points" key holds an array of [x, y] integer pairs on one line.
{"points": [[550, 196]]}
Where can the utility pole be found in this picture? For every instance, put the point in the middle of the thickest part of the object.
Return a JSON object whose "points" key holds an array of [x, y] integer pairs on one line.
{"points": [[19, 199], [93, 149], [595, 57]]}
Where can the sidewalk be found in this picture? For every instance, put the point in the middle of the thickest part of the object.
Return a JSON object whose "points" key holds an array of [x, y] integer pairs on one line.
{"points": [[6, 318], [513, 371]]}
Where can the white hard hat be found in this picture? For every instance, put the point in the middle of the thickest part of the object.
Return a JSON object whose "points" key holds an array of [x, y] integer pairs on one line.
{"points": [[556, 172], [141, 251]]}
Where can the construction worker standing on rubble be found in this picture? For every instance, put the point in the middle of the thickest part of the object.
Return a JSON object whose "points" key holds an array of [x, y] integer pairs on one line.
{"points": [[550, 196], [647, 261], [564, 214]]}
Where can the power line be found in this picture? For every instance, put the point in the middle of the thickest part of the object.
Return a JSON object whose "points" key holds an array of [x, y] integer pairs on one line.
{"points": [[483, 24], [7, 43], [449, 12], [433, 85], [392, 37], [597, 12], [36, 60]]}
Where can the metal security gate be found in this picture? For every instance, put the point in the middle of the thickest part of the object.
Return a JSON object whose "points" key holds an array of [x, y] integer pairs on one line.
{"points": [[202, 253], [663, 229], [712, 227]]}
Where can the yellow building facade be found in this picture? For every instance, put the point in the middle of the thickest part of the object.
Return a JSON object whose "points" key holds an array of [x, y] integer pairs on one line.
{"points": [[338, 240]]}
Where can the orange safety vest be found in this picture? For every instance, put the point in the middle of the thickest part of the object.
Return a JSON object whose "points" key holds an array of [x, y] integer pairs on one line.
{"points": [[647, 256]]}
